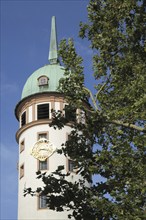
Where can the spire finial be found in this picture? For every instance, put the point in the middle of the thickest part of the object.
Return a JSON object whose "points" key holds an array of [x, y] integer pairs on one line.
{"points": [[53, 55]]}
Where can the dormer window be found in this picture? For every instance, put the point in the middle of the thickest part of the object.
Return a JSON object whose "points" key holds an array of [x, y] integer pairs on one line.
{"points": [[43, 81]]}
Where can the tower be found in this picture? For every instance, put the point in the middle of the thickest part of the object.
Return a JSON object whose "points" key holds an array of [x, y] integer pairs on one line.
{"points": [[33, 112]]}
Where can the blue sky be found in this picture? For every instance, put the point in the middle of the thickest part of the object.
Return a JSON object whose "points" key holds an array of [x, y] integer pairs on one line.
{"points": [[25, 34]]}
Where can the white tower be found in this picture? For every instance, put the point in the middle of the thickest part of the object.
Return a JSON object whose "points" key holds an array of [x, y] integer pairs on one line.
{"points": [[39, 96]]}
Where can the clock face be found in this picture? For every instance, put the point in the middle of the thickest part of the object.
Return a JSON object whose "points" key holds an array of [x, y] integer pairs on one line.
{"points": [[42, 149]]}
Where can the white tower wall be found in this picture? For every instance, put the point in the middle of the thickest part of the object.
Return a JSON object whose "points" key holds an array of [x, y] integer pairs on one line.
{"points": [[28, 207]]}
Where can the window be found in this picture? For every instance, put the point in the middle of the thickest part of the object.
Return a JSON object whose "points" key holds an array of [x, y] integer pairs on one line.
{"points": [[43, 111], [71, 165], [70, 113], [21, 171], [22, 146], [42, 202], [23, 119], [68, 137], [43, 165], [43, 80], [42, 135]]}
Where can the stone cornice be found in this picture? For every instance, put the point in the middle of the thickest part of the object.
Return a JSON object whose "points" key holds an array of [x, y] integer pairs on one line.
{"points": [[31, 124]]}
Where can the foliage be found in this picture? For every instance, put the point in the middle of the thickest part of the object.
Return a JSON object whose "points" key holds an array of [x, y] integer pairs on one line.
{"points": [[112, 141]]}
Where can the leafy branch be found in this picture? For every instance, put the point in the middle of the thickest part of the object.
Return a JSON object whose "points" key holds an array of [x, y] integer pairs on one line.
{"points": [[116, 122]]}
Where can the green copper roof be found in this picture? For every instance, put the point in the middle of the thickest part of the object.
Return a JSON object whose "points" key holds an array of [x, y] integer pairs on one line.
{"points": [[53, 71]]}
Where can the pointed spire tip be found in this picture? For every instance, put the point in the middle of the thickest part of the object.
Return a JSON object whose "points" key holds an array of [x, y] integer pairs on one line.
{"points": [[53, 52]]}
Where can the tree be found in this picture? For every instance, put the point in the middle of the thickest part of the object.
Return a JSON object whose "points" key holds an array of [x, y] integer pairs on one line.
{"points": [[112, 141]]}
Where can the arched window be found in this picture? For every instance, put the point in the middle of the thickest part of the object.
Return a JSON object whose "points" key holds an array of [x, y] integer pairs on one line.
{"points": [[43, 81]]}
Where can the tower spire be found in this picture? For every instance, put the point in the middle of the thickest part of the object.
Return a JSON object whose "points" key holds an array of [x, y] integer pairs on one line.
{"points": [[53, 52]]}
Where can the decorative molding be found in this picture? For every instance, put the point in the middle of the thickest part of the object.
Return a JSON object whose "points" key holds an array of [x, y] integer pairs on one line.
{"points": [[33, 112], [61, 106], [37, 98], [52, 105], [34, 123], [31, 124]]}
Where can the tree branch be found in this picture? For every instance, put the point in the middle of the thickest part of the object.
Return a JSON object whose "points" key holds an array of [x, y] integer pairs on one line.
{"points": [[102, 87], [92, 98], [117, 122], [127, 125]]}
